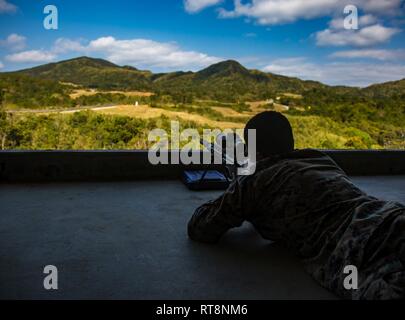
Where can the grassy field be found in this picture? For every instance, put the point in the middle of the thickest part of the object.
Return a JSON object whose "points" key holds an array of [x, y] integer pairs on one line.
{"points": [[146, 112], [90, 92], [309, 131]]}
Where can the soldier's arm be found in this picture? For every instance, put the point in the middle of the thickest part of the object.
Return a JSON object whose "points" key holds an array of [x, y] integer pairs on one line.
{"points": [[211, 220]]}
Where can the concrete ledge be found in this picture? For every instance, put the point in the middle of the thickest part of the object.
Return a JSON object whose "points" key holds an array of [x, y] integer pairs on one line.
{"points": [[370, 162], [46, 166], [53, 166]]}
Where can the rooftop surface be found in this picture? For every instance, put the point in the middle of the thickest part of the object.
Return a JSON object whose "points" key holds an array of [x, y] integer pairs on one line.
{"points": [[127, 240]]}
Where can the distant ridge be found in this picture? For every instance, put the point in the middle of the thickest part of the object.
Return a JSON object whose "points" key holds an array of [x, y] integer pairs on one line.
{"points": [[223, 68], [391, 88], [93, 73], [225, 80]]}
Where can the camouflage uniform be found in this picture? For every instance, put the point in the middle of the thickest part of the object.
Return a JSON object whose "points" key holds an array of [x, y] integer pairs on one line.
{"points": [[307, 203]]}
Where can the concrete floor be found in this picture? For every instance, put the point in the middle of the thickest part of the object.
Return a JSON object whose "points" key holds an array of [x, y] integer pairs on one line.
{"points": [[128, 241]]}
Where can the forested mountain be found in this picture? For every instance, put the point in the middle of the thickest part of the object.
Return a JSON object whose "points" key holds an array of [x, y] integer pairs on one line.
{"points": [[28, 92], [387, 89], [230, 81], [92, 73], [225, 81], [332, 116]]}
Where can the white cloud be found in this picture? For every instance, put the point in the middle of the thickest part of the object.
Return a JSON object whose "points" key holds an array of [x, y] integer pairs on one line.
{"points": [[7, 7], [14, 42], [379, 54], [379, 6], [370, 32], [365, 20], [1, 65], [63, 45], [148, 53], [338, 73], [31, 56], [193, 6], [137, 52], [295, 67], [366, 36], [268, 12], [142, 53]]}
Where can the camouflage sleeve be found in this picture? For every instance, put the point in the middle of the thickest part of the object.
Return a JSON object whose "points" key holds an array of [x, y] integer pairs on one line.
{"points": [[211, 220]]}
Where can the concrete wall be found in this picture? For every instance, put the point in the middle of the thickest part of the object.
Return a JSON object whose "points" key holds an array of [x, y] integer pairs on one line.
{"points": [[26, 166]]}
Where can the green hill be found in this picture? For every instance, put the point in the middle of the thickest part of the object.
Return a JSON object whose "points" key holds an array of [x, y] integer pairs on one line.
{"points": [[19, 90], [322, 116], [224, 81], [387, 89], [93, 73], [230, 81]]}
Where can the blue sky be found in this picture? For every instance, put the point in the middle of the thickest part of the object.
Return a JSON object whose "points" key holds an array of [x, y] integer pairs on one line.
{"points": [[302, 38]]}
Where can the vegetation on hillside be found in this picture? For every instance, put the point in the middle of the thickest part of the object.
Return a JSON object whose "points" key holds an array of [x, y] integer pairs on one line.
{"points": [[224, 81], [93, 73], [23, 91], [322, 116], [91, 130]]}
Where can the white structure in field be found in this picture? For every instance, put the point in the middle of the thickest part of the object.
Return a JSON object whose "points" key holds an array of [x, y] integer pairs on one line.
{"points": [[136, 104]]}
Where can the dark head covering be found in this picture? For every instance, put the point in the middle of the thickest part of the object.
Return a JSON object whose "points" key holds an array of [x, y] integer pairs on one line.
{"points": [[273, 133]]}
